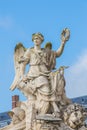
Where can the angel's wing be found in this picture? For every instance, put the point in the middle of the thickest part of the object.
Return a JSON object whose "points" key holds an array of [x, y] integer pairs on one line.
{"points": [[50, 56], [19, 68]]}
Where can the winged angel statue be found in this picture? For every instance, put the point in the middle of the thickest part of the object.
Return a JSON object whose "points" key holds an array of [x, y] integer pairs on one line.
{"points": [[39, 82], [42, 86]]}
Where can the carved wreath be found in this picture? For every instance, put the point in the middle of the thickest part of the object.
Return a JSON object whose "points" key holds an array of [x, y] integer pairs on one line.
{"points": [[65, 35]]}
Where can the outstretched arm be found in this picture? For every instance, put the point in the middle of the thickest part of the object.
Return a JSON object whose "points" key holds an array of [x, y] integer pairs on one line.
{"points": [[23, 62], [60, 49], [64, 37]]}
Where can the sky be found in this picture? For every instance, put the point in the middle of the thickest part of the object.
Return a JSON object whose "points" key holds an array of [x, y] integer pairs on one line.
{"points": [[19, 19]]}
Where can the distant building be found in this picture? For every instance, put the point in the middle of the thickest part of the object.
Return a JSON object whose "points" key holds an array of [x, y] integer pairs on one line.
{"points": [[81, 100], [4, 119]]}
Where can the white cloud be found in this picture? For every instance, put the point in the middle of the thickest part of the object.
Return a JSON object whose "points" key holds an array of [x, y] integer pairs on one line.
{"points": [[76, 77], [6, 22]]}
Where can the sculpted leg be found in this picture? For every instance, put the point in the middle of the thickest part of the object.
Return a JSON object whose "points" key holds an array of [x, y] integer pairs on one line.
{"points": [[30, 115], [42, 106], [56, 111]]}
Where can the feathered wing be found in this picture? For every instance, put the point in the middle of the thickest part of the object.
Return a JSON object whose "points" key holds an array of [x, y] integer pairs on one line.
{"points": [[19, 68], [50, 56]]}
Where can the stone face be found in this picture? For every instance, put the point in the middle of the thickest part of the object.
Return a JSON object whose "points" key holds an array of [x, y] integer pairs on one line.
{"points": [[74, 116], [47, 106]]}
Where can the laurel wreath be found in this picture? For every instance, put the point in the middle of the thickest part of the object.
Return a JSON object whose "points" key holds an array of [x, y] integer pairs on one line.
{"points": [[65, 35]]}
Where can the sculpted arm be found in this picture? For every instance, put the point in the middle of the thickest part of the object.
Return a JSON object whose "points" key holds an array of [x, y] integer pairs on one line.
{"points": [[60, 49], [64, 37], [24, 61]]}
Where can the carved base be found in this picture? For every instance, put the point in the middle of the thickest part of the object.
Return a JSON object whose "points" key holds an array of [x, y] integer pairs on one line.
{"points": [[54, 126], [42, 122], [42, 125], [48, 122], [51, 126]]}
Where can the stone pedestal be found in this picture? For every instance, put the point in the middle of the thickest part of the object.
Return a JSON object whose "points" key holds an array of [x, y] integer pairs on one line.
{"points": [[47, 122]]}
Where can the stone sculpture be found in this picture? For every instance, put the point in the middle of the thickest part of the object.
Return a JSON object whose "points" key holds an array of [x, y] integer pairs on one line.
{"points": [[47, 106]]}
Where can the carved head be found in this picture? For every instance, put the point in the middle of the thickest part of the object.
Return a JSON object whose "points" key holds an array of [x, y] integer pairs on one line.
{"points": [[74, 116], [39, 35]]}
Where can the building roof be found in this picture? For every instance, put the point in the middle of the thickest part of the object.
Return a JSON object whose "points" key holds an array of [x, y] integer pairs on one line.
{"points": [[81, 100], [4, 119]]}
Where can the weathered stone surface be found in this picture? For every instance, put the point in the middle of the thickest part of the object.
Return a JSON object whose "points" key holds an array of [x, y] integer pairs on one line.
{"points": [[48, 118], [47, 106]]}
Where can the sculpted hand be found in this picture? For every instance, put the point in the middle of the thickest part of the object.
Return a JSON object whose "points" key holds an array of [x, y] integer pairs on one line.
{"points": [[65, 35]]}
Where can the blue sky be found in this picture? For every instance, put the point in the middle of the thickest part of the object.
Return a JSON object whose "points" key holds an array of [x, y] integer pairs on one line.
{"points": [[20, 18]]}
